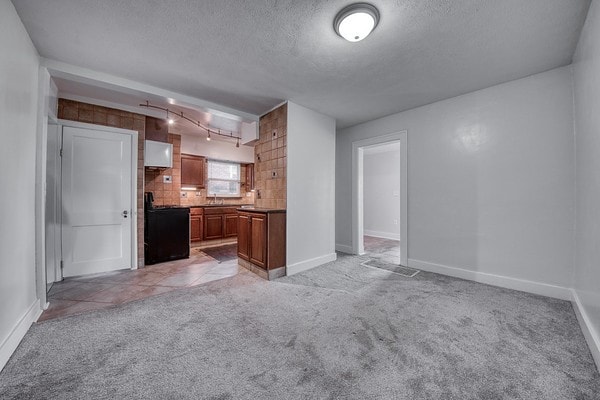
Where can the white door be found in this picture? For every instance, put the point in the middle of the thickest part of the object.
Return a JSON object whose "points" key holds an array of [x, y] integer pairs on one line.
{"points": [[96, 198]]}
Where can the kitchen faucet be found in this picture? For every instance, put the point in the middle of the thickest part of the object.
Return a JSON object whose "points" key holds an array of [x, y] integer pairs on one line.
{"points": [[214, 200]]}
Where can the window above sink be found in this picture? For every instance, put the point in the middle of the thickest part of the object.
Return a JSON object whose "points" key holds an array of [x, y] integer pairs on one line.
{"points": [[223, 179]]}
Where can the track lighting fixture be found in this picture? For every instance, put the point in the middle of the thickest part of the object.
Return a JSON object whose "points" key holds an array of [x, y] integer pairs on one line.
{"points": [[171, 121]]}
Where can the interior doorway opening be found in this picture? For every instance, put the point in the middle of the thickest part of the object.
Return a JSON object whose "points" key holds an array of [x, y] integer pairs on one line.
{"points": [[380, 198], [381, 201]]}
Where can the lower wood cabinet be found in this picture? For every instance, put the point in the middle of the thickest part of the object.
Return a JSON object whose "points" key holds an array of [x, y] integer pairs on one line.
{"points": [[230, 225], [213, 227], [220, 222], [258, 240], [244, 236], [261, 238], [196, 224]]}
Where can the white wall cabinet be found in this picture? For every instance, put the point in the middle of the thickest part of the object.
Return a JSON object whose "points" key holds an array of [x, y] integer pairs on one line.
{"points": [[158, 154]]}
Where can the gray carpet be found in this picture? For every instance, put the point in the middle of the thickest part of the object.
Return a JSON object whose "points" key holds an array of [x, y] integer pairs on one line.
{"points": [[341, 331]]}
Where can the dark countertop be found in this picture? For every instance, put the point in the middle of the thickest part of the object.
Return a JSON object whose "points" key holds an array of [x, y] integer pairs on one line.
{"points": [[263, 210], [167, 206], [220, 205]]}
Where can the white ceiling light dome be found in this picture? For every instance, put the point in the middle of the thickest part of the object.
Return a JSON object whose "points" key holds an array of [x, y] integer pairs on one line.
{"points": [[356, 21]]}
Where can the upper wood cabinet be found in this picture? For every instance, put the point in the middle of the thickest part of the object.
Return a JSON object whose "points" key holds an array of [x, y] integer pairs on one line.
{"points": [[193, 171], [249, 177]]}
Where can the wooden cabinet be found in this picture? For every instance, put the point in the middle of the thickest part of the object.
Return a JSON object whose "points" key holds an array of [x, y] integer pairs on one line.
{"points": [[258, 240], [249, 183], [244, 236], [220, 222], [193, 171], [196, 224], [213, 227], [230, 225], [261, 239]]}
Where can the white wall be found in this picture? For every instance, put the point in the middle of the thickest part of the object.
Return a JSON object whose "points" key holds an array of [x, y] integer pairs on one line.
{"points": [[310, 189], [586, 282], [490, 182], [216, 149], [381, 187], [18, 118]]}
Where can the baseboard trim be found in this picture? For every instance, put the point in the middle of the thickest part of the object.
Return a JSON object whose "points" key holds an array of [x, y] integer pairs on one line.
{"points": [[523, 285], [309, 264], [17, 334], [591, 335], [343, 248], [383, 235]]}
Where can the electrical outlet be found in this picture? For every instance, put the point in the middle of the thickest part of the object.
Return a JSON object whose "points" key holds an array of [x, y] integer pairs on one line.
{"points": [[197, 194], [167, 179], [395, 222]]}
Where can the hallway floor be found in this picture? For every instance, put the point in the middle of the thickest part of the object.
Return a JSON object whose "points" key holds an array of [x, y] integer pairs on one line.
{"points": [[387, 250], [86, 293]]}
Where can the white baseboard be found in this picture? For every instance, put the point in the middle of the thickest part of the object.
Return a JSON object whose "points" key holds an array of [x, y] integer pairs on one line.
{"points": [[383, 235], [18, 332], [592, 337], [308, 264], [523, 285], [343, 248]]}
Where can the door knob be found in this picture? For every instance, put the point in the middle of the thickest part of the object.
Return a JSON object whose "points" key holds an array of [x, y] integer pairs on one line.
{"points": [[125, 213]]}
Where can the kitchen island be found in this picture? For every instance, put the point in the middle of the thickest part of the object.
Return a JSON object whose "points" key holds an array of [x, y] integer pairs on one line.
{"points": [[262, 241]]}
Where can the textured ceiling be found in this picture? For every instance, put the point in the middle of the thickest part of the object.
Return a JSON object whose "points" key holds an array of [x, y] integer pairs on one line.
{"points": [[251, 55]]}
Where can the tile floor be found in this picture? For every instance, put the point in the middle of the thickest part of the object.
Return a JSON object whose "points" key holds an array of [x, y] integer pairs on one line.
{"points": [[387, 250], [92, 292]]}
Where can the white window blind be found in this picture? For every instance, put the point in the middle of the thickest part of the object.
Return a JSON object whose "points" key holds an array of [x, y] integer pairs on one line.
{"points": [[223, 179]]}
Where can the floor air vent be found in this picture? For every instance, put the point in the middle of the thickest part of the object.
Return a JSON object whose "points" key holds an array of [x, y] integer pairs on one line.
{"points": [[397, 269]]}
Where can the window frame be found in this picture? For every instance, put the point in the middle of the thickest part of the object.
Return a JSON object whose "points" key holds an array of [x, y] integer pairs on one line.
{"points": [[209, 179]]}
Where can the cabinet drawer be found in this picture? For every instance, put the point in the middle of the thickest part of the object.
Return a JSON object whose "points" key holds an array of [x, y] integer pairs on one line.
{"points": [[196, 211], [220, 210], [213, 210]]}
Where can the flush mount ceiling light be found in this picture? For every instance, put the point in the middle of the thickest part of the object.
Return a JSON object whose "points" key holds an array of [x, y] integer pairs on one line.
{"points": [[356, 21]]}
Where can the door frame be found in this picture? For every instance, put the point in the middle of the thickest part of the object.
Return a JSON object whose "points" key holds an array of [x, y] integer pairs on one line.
{"points": [[134, 178], [357, 191]]}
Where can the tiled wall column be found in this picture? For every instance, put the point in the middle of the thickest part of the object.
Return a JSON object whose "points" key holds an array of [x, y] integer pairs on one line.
{"points": [[270, 160]]}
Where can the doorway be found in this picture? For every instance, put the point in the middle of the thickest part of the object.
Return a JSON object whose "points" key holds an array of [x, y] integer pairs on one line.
{"points": [[381, 201], [380, 198], [94, 202]]}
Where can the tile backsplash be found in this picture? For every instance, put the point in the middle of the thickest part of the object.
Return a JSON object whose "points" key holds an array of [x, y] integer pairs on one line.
{"points": [[170, 194], [166, 194], [198, 198]]}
